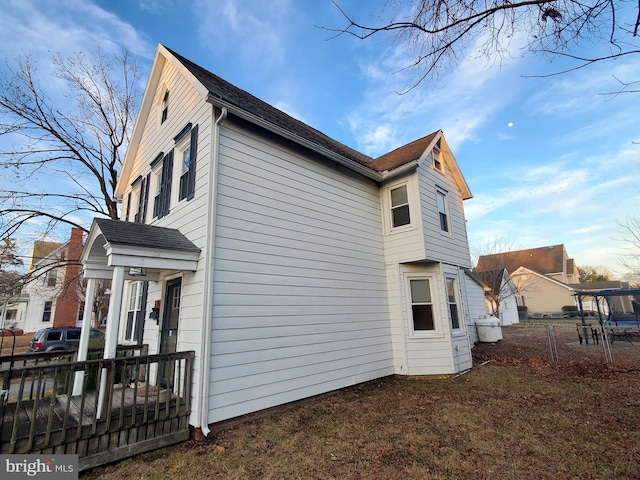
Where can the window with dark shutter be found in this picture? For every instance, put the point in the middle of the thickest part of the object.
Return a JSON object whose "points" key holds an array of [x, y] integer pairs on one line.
{"points": [[126, 217], [162, 201], [138, 216], [143, 200], [192, 163], [188, 152]]}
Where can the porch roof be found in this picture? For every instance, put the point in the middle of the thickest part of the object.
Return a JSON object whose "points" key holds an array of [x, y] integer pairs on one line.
{"points": [[112, 243]]}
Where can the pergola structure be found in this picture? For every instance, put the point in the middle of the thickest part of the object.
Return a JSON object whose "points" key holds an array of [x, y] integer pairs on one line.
{"points": [[606, 295], [608, 318]]}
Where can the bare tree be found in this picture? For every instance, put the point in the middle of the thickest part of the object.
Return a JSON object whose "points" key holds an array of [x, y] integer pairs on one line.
{"points": [[630, 236], [495, 262], [439, 33], [78, 142], [11, 280], [589, 273]]}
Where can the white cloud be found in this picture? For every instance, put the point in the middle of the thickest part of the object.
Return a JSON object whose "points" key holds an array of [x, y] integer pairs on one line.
{"points": [[585, 230], [461, 104], [255, 30], [64, 26]]}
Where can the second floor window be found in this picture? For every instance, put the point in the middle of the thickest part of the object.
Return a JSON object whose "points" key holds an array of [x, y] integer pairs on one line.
{"points": [[400, 207], [143, 200], [187, 144], [162, 200], [52, 277], [443, 213]]}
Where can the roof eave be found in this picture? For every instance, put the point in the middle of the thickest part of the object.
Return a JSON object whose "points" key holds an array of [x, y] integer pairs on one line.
{"points": [[325, 152]]}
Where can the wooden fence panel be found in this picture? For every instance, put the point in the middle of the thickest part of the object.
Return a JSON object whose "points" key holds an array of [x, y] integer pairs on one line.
{"points": [[40, 414]]}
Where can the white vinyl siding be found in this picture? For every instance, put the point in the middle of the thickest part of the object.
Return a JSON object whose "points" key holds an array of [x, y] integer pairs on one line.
{"points": [[451, 246], [474, 305], [300, 301], [185, 106], [460, 341]]}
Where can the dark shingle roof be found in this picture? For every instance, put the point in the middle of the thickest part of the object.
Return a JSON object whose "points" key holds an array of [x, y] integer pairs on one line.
{"points": [[492, 278], [224, 90], [118, 232], [544, 260], [402, 155]]}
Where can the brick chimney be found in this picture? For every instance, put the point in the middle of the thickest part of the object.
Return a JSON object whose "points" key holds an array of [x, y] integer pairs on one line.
{"points": [[67, 303]]}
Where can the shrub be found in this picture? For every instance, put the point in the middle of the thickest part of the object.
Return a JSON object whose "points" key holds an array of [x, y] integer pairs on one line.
{"points": [[572, 310]]}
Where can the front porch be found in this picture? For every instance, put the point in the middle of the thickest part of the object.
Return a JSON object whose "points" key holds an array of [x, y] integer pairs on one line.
{"points": [[102, 410]]}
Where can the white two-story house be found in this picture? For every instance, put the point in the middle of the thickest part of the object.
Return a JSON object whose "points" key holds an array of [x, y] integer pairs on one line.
{"points": [[290, 263]]}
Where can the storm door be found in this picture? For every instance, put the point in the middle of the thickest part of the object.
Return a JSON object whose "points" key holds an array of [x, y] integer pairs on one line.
{"points": [[169, 330]]}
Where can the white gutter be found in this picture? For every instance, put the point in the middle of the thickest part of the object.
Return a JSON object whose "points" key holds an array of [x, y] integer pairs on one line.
{"points": [[325, 152], [407, 167], [207, 311]]}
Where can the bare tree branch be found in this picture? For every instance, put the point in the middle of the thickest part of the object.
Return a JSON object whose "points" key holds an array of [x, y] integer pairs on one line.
{"points": [[78, 143], [438, 33]]}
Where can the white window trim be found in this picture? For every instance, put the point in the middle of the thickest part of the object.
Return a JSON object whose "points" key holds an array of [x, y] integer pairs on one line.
{"points": [[154, 189], [445, 194], [178, 166], [438, 332], [161, 104], [414, 207], [460, 331]]}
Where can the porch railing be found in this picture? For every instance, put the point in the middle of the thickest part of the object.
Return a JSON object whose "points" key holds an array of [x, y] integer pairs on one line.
{"points": [[117, 408]]}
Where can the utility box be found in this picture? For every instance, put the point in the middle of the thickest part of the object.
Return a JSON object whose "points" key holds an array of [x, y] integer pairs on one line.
{"points": [[489, 329]]}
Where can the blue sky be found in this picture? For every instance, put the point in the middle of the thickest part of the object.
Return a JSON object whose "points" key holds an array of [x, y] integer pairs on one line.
{"points": [[549, 160]]}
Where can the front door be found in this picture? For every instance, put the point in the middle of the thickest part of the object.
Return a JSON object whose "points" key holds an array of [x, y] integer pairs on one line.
{"points": [[169, 330]]}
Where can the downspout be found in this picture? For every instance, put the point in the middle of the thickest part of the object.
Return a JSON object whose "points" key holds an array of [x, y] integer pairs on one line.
{"points": [[207, 311]]}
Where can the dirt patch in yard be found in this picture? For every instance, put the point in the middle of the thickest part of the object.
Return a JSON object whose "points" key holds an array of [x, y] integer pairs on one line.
{"points": [[515, 415]]}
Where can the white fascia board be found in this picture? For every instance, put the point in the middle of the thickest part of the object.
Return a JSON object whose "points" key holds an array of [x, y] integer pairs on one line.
{"points": [[453, 166], [521, 270], [98, 271], [145, 252], [154, 263], [396, 172], [141, 118], [129, 256]]}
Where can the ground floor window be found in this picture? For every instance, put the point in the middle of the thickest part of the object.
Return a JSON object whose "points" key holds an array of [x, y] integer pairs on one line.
{"points": [[453, 303], [421, 304]]}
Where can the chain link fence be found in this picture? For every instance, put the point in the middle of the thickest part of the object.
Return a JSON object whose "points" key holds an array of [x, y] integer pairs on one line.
{"points": [[566, 340]]}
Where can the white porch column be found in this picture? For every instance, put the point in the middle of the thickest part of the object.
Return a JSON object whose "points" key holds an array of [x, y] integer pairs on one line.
{"points": [[84, 335], [113, 317], [113, 321]]}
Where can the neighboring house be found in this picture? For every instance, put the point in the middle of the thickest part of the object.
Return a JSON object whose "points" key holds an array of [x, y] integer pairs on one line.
{"points": [[543, 295], [551, 261], [548, 279], [53, 297], [13, 303], [541, 275], [291, 264], [502, 297]]}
